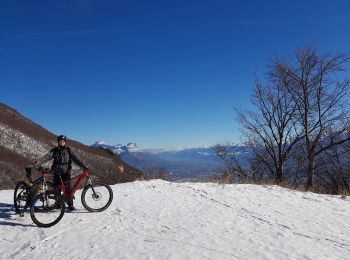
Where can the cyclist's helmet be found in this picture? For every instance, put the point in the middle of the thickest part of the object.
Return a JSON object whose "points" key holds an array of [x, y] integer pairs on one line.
{"points": [[61, 138]]}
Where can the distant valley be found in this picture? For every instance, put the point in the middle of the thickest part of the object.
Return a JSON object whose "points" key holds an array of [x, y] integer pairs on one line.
{"points": [[181, 163]]}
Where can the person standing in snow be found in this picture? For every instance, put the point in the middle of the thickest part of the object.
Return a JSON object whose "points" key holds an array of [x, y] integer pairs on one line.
{"points": [[62, 157]]}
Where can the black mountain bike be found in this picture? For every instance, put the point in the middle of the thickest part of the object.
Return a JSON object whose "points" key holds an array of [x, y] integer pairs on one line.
{"points": [[25, 192]]}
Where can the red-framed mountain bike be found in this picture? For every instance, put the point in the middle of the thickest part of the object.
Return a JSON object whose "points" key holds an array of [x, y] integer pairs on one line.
{"points": [[48, 208]]}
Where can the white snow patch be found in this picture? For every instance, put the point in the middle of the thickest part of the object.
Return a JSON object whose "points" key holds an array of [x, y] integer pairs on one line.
{"points": [[204, 153], [164, 220], [20, 143]]}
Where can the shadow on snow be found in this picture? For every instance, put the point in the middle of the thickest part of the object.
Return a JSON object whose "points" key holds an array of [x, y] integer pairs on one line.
{"points": [[7, 211]]}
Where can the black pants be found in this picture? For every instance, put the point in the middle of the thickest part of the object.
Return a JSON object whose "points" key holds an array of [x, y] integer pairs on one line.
{"points": [[65, 177]]}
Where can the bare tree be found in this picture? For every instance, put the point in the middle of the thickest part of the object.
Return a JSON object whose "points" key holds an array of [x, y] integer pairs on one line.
{"points": [[297, 170], [321, 102], [333, 170], [233, 164], [271, 130], [241, 164]]}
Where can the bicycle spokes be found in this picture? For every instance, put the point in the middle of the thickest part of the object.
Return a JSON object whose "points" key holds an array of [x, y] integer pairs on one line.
{"points": [[22, 202], [47, 209], [97, 197]]}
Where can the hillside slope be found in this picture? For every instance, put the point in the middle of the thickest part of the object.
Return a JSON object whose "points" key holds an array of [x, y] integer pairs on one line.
{"points": [[164, 220], [23, 141]]}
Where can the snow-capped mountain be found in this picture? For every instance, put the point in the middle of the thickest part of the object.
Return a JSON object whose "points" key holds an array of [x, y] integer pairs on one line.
{"points": [[117, 149], [182, 163]]}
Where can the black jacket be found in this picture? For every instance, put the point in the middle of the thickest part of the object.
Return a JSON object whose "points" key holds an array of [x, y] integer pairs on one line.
{"points": [[62, 160]]}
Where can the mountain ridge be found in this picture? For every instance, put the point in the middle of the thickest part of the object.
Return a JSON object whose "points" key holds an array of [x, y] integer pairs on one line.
{"points": [[22, 141], [181, 163]]}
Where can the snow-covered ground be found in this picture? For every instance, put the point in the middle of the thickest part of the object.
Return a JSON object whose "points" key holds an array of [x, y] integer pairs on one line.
{"points": [[164, 220]]}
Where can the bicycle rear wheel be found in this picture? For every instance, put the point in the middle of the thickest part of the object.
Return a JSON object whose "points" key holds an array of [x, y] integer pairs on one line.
{"points": [[20, 199], [97, 197], [47, 209]]}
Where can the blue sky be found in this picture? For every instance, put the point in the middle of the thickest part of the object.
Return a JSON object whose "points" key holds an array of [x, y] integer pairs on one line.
{"points": [[163, 74]]}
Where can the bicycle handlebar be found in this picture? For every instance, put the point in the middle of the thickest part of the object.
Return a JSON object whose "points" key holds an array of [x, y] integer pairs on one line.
{"points": [[44, 170]]}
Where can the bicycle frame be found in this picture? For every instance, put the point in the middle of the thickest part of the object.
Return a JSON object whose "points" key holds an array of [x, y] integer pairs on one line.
{"points": [[80, 178], [41, 179]]}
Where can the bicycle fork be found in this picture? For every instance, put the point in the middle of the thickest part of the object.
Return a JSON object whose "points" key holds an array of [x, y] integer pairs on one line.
{"points": [[94, 194], [43, 190]]}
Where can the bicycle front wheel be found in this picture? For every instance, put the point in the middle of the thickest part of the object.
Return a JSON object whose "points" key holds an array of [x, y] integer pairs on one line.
{"points": [[47, 209], [97, 197]]}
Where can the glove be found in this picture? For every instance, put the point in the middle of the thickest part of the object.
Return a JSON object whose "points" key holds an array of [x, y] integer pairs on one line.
{"points": [[29, 169]]}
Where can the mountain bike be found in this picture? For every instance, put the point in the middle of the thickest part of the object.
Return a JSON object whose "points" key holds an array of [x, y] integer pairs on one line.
{"points": [[48, 207], [26, 191]]}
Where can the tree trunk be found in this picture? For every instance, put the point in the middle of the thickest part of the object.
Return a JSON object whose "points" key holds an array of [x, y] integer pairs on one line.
{"points": [[310, 172], [345, 185], [279, 174]]}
